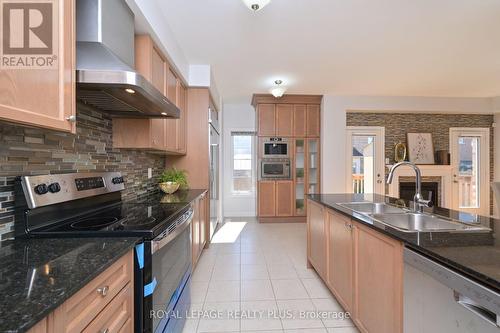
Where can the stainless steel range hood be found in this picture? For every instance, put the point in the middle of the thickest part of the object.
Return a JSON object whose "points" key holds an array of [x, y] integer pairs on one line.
{"points": [[105, 60]]}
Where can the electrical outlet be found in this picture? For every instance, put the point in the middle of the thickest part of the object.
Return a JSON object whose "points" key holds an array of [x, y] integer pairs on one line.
{"points": [[150, 173]]}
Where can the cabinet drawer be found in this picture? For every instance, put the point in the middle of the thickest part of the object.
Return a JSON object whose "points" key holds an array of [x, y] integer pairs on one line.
{"points": [[116, 316], [77, 312]]}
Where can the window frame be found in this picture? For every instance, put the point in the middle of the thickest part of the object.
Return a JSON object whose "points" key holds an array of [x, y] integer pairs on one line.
{"points": [[253, 172]]}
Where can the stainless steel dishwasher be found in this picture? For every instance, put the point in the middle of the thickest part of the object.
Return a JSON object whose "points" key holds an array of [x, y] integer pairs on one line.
{"points": [[438, 299]]}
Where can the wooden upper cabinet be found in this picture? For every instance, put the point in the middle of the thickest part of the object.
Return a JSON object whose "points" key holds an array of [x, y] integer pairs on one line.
{"points": [[299, 120], [166, 135], [313, 121], [266, 115], [284, 120], [45, 97], [341, 257], [284, 198], [182, 124], [378, 282], [267, 197], [171, 80], [316, 233], [158, 67]]}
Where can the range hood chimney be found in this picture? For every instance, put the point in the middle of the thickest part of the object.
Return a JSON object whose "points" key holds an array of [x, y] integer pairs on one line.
{"points": [[105, 74]]}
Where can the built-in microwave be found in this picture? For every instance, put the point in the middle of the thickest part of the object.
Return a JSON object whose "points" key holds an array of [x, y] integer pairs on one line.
{"points": [[275, 148], [275, 168]]}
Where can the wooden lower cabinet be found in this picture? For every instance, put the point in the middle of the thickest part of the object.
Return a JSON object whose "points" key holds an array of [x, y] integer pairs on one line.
{"points": [[267, 199], [198, 226], [284, 198], [378, 282], [362, 267], [106, 304], [316, 238], [341, 258]]}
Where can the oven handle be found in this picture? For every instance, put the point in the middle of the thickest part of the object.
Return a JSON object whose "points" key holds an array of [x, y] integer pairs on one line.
{"points": [[161, 241]]}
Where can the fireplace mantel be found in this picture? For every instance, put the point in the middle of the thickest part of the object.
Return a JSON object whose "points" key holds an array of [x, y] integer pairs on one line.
{"points": [[445, 172]]}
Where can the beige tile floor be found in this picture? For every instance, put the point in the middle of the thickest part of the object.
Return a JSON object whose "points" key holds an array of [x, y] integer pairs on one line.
{"points": [[260, 270]]}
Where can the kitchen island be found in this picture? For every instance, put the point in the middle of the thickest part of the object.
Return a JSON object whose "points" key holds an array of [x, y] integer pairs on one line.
{"points": [[366, 262]]}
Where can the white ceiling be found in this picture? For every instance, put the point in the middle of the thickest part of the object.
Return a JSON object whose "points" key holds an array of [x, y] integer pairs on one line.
{"points": [[343, 47]]}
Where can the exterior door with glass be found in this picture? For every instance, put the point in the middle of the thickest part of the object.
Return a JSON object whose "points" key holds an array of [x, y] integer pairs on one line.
{"points": [[470, 158], [365, 159]]}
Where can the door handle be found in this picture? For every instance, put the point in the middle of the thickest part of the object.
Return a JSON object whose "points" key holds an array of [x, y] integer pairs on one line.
{"points": [[103, 291]]}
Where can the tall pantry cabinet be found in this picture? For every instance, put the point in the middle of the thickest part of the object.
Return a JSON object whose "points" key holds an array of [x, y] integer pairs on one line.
{"points": [[298, 119]]}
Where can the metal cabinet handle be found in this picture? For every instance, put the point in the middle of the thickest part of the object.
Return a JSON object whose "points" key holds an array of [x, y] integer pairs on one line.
{"points": [[71, 119], [103, 291], [104, 330]]}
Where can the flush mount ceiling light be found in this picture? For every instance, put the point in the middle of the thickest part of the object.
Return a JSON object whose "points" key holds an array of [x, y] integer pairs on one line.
{"points": [[278, 90], [130, 91], [256, 5]]}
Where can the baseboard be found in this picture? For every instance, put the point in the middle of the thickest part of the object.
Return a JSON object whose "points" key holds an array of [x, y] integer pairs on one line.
{"points": [[291, 219]]}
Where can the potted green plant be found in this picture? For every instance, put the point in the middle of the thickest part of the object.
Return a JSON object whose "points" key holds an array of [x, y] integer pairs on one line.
{"points": [[172, 179]]}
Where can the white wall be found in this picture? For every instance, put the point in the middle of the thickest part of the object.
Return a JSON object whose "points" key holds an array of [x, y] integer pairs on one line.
{"points": [[333, 122], [236, 117]]}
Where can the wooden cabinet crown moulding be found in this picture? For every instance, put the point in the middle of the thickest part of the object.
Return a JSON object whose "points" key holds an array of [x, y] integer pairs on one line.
{"points": [[165, 136]]}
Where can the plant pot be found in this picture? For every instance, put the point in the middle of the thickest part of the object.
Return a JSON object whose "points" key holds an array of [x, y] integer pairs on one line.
{"points": [[169, 187]]}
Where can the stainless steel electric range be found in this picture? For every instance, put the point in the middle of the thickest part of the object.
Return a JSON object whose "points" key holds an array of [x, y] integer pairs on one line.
{"points": [[90, 205]]}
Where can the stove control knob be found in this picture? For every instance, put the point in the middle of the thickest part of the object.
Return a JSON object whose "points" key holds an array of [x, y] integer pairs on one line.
{"points": [[54, 188], [41, 189], [117, 180]]}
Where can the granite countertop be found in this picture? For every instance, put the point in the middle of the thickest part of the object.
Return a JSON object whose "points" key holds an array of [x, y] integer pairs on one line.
{"points": [[37, 275], [180, 196], [474, 254]]}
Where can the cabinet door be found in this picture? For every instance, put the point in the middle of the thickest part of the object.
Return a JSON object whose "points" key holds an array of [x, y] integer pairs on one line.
{"points": [[299, 120], [378, 281], [284, 198], [182, 124], [299, 176], [45, 97], [195, 230], [313, 166], [204, 221], [340, 258], [172, 124], [158, 133], [158, 70], [313, 121], [266, 119], [267, 191], [284, 120], [316, 232]]}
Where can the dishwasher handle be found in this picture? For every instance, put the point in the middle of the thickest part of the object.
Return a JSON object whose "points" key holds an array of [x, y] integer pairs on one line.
{"points": [[477, 309]]}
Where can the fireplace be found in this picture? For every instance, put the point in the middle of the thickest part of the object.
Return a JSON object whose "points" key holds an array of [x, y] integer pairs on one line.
{"points": [[429, 191]]}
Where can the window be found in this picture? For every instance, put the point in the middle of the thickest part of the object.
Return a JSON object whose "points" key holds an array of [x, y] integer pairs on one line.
{"points": [[243, 165]]}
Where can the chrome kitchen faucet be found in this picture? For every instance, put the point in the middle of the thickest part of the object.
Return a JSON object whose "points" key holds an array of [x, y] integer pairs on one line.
{"points": [[418, 202]]}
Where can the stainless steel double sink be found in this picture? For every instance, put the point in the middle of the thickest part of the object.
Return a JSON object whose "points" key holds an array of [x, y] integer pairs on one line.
{"points": [[408, 221]]}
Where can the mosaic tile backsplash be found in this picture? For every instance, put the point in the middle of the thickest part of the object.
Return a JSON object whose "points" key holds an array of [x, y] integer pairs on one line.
{"points": [[32, 151]]}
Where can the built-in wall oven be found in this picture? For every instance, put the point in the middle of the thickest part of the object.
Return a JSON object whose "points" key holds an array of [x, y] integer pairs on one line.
{"points": [[275, 168], [274, 147]]}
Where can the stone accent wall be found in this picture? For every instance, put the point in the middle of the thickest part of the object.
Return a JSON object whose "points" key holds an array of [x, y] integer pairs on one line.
{"points": [[398, 124], [33, 151]]}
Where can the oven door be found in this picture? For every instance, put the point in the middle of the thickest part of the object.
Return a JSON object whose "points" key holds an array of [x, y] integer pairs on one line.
{"points": [[278, 149], [167, 277]]}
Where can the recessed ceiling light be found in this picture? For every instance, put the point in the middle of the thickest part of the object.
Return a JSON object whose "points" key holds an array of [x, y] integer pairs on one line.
{"points": [[256, 5], [163, 113], [278, 90], [130, 91]]}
